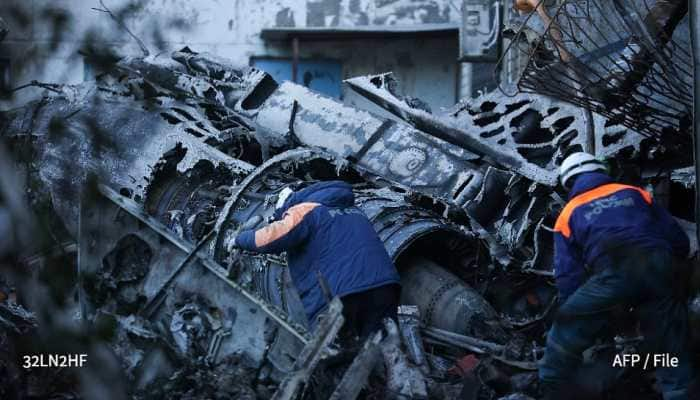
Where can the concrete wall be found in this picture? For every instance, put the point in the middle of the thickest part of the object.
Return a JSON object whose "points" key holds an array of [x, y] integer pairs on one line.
{"points": [[46, 35]]}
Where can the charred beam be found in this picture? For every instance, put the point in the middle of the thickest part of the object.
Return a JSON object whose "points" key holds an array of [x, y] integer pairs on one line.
{"points": [[313, 352], [135, 210]]}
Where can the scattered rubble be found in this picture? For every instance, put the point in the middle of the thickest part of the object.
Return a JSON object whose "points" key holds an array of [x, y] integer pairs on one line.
{"points": [[157, 164]]}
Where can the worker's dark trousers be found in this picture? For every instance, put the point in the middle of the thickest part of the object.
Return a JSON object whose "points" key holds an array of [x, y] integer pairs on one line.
{"points": [[364, 311], [642, 279]]}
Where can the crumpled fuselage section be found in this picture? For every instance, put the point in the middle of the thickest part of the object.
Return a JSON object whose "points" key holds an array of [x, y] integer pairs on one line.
{"points": [[158, 164]]}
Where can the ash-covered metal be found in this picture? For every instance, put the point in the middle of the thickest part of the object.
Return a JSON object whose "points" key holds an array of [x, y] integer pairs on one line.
{"points": [[154, 168]]}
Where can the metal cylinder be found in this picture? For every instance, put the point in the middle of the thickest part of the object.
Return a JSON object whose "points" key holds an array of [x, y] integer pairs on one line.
{"points": [[447, 303]]}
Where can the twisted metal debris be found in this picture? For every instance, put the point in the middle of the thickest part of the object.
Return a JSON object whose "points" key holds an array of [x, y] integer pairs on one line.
{"points": [[158, 163]]}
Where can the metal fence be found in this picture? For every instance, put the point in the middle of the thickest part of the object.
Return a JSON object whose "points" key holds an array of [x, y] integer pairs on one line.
{"points": [[629, 60]]}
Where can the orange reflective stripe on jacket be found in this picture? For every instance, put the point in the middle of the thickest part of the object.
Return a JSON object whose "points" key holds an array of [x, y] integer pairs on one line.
{"points": [[291, 219], [562, 225]]}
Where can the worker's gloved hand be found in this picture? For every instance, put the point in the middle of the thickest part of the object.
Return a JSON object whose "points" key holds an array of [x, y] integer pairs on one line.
{"points": [[231, 244]]}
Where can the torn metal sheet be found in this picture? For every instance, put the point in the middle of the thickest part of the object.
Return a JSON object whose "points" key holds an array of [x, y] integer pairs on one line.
{"points": [[226, 308], [355, 378], [168, 159], [404, 380], [462, 135], [379, 147], [329, 326]]}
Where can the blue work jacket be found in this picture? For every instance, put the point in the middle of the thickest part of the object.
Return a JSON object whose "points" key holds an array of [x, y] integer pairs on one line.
{"points": [[602, 216], [326, 238]]}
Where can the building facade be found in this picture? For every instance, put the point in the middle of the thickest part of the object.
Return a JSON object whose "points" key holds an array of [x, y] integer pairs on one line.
{"points": [[315, 42]]}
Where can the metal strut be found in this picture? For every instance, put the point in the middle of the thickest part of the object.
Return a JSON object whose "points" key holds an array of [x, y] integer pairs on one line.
{"points": [[137, 211], [695, 41]]}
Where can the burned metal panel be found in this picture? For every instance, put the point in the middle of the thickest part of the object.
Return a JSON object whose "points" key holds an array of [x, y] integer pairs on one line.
{"points": [[381, 148], [467, 134], [117, 139], [526, 135], [183, 195], [400, 224], [538, 129], [131, 290]]}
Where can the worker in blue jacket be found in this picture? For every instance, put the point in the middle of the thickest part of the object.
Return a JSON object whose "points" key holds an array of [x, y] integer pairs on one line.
{"points": [[614, 246], [331, 246]]}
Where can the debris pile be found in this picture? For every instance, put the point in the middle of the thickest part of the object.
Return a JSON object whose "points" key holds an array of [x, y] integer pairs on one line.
{"points": [[159, 163]]}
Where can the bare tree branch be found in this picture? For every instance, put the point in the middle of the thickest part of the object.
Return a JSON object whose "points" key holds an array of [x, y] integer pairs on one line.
{"points": [[121, 23], [54, 87]]}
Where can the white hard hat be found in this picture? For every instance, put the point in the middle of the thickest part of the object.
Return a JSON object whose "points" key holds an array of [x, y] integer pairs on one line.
{"points": [[577, 163], [282, 197]]}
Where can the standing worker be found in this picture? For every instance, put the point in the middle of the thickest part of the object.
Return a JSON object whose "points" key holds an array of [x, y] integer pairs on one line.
{"points": [[332, 250], [625, 242]]}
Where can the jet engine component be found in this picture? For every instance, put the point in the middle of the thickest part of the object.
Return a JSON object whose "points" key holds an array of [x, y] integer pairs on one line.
{"points": [[448, 303], [162, 163]]}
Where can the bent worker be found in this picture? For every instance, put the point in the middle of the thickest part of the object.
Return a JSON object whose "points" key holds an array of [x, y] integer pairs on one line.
{"points": [[619, 236], [332, 250]]}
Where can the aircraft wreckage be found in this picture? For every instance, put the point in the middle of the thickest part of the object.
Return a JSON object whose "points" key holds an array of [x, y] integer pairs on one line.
{"points": [[156, 164]]}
